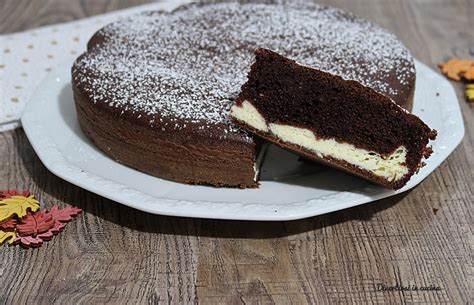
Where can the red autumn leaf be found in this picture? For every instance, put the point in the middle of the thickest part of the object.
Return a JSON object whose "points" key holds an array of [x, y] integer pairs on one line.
{"points": [[8, 225], [62, 216], [10, 193], [30, 241], [33, 232], [66, 214], [35, 223]]}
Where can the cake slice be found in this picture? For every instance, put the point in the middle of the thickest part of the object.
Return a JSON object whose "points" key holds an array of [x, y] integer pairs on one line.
{"points": [[332, 120]]}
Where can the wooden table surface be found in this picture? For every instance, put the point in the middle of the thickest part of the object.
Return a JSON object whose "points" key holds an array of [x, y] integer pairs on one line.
{"points": [[114, 254]]}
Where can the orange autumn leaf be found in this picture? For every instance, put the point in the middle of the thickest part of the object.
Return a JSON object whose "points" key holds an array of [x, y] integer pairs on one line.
{"points": [[469, 74], [456, 69], [17, 205]]}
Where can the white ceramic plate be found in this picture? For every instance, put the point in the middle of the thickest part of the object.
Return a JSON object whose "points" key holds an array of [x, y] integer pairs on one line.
{"points": [[290, 189]]}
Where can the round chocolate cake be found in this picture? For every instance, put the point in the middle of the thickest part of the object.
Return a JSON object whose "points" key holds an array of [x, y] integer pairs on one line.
{"points": [[154, 90]]}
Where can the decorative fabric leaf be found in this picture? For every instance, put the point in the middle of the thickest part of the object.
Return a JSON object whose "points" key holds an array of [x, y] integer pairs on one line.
{"points": [[20, 223], [9, 193], [41, 226], [30, 241], [470, 91], [456, 69], [62, 216], [66, 214], [35, 223], [17, 205], [8, 225], [8, 237]]}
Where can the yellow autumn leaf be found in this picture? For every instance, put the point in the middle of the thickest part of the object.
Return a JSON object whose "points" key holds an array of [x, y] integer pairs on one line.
{"points": [[17, 205], [7, 237], [470, 92]]}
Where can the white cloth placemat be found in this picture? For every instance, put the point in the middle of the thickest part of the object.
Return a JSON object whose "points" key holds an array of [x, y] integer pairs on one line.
{"points": [[27, 57]]}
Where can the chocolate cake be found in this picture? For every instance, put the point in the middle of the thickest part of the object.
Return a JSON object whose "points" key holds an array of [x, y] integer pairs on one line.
{"points": [[154, 90], [327, 118]]}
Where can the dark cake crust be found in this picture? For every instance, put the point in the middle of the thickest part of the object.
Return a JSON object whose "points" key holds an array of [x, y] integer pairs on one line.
{"points": [[174, 156]]}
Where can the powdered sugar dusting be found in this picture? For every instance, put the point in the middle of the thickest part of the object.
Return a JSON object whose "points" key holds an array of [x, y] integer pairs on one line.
{"points": [[188, 66]]}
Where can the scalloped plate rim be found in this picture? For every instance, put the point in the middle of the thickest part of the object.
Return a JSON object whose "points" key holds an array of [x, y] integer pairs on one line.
{"points": [[57, 163]]}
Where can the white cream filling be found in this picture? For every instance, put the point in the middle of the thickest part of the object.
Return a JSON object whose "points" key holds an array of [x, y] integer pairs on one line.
{"points": [[391, 167], [249, 114]]}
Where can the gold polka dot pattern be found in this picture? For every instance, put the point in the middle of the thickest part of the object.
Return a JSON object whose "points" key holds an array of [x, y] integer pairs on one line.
{"points": [[27, 57]]}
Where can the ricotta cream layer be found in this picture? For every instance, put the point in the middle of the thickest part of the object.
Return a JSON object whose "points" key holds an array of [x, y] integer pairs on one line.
{"points": [[391, 167]]}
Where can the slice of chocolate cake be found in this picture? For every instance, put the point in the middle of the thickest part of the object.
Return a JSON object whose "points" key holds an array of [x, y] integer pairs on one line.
{"points": [[326, 118]]}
